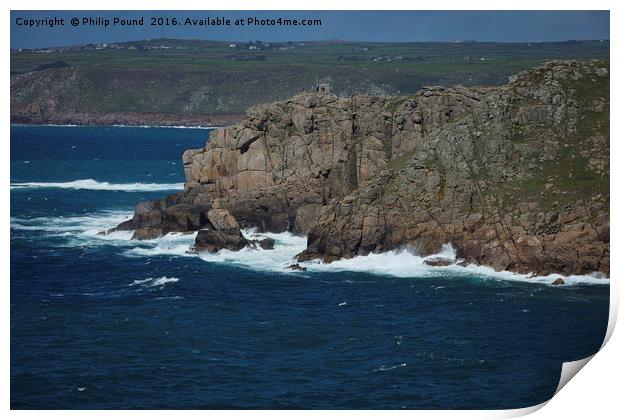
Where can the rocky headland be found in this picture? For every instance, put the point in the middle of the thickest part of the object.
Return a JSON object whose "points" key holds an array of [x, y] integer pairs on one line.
{"points": [[515, 177], [46, 112]]}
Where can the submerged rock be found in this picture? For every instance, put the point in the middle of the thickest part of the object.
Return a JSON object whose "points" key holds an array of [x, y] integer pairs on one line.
{"points": [[558, 282], [264, 243], [438, 262], [297, 267]]}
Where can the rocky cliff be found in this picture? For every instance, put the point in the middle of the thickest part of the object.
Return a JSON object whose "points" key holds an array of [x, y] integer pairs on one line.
{"points": [[515, 177], [61, 94]]}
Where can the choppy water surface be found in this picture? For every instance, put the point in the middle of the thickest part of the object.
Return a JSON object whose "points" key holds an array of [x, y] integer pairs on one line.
{"points": [[107, 322]]}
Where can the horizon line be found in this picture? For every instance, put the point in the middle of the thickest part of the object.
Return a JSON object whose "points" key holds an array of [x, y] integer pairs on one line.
{"points": [[333, 40]]}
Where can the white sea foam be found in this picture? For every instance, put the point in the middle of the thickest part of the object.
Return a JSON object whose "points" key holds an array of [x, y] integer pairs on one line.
{"points": [[154, 282], [405, 263], [91, 184], [174, 244], [277, 259], [78, 230], [386, 368], [401, 263], [89, 224]]}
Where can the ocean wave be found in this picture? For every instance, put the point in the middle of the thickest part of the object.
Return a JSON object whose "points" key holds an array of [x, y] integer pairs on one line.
{"points": [[173, 244], [78, 230], [154, 282], [277, 259], [400, 263], [91, 184], [406, 263]]}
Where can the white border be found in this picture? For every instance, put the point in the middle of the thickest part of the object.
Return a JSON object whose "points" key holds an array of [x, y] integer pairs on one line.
{"points": [[593, 394]]}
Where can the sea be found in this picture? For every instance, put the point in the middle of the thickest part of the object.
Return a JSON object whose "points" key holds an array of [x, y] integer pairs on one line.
{"points": [[107, 322]]}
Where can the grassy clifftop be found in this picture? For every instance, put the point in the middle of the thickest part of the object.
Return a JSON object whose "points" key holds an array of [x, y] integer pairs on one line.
{"points": [[201, 77]]}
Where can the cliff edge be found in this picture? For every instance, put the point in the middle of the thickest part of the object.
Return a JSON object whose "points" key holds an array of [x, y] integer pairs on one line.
{"points": [[515, 177]]}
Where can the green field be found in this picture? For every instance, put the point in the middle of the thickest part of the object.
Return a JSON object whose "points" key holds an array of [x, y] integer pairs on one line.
{"points": [[208, 77]]}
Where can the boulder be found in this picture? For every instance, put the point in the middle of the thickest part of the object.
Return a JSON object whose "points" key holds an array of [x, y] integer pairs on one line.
{"points": [[558, 282], [266, 243], [222, 219], [222, 232], [212, 240]]}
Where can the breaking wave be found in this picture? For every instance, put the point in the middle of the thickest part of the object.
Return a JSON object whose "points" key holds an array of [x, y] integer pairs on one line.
{"points": [[77, 230], [91, 184], [400, 263], [405, 263], [277, 259]]}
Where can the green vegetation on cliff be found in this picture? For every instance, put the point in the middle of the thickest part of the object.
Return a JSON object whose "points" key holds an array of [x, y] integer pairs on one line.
{"points": [[206, 77]]}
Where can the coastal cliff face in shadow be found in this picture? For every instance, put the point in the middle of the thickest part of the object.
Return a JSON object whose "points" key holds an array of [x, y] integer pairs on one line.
{"points": [[515, 177]]}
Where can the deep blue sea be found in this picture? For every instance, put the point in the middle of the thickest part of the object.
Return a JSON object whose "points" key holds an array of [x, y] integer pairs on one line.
{"points": [[107, 322]]}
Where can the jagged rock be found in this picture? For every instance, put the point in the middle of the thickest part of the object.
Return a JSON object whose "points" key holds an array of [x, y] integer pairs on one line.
{"points": [[267, 243], [486, 169], [146, 233], [264, 243], [222, 232], [297, 267], [460, 170], [221, 219], [158, 217], [211, 240], [306, 217], [307, 255], [558, 282], [438, 262]]}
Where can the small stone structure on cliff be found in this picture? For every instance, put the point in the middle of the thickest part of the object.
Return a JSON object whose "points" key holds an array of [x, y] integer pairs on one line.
{"points": [[323, 87]]}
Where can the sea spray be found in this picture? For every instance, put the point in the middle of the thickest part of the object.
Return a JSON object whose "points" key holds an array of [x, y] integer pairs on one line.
{"points": [[402, 262]]}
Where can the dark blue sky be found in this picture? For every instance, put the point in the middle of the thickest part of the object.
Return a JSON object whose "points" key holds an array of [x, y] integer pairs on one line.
{"points": [[500, 26]]}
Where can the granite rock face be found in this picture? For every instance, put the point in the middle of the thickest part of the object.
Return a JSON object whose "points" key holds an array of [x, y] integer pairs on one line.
{"points": [[220, 232], [515, 177]]}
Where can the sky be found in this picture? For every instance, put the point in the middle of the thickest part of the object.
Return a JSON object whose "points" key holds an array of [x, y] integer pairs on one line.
{"points": [[368, 26]]}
